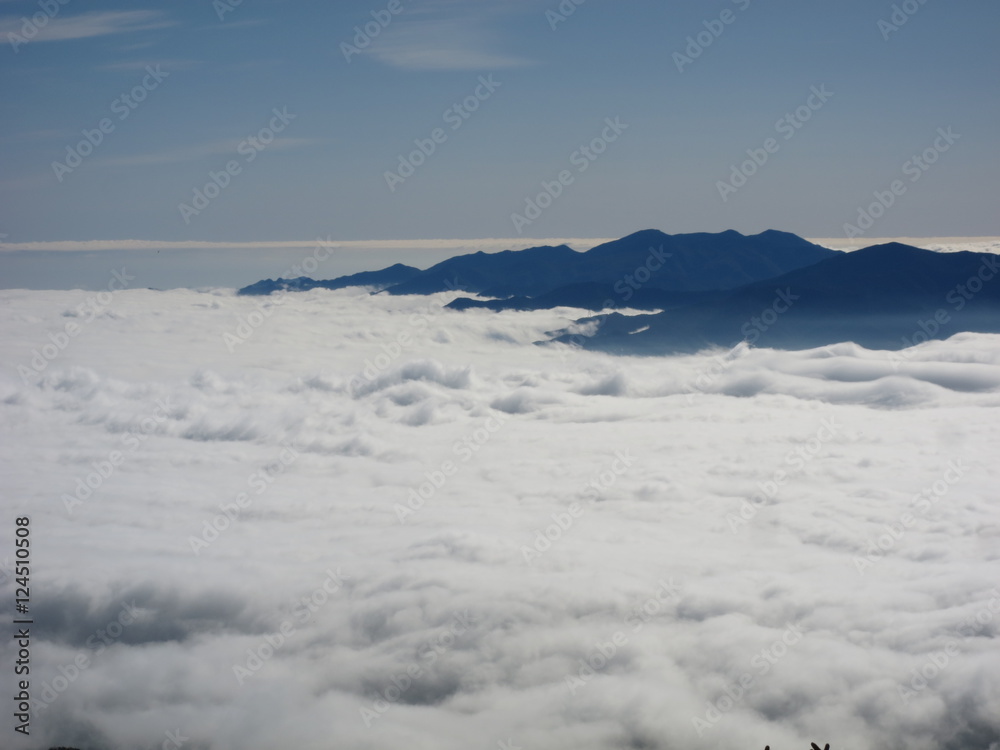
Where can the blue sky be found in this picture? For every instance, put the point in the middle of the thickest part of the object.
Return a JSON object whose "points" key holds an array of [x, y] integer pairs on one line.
{"points": [[552, 90]]}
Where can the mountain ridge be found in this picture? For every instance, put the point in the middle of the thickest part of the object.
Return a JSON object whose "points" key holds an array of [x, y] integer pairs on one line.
{"points": [[714, 289], [888, 296], [648, 258], [393, 274]]}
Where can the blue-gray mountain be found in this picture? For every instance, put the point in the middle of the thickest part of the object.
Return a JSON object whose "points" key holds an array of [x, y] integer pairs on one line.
{"points": [[374, 279], [648, 259], [882, 297], [774, 289], [644, 260]]}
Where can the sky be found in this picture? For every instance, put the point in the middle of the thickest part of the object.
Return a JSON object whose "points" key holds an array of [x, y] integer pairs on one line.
{"points": [[269, 522], [221, 71]]}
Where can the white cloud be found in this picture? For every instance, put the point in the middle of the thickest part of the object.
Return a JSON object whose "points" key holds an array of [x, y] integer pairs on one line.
{"points": [[447, 36], [449, 593], [440, 46], [92, 24]]}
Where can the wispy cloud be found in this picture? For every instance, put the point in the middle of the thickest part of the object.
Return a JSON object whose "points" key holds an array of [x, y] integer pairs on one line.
{"points": [[30, 136], [199, 151], [132, 65], [440, 45], [448, 35], [87, 25]]}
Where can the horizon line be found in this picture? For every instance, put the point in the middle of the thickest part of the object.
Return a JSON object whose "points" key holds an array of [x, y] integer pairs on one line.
{"points": [[497, 243]]}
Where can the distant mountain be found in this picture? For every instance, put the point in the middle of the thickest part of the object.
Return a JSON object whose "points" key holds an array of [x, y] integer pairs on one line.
{"points": [[631, 268], [396, 274], [527, 272], [702, 261], [772, 288], [886, 296], [645, 260]]}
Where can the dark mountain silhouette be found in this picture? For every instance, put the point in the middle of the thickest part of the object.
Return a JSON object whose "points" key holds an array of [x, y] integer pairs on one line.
{"points": [[527, 272], [886, 296], [641, 262], [703, 261], [772, 289], [377, 279], [645, 260]]}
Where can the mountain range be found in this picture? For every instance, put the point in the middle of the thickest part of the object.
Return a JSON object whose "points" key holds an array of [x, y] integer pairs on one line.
{"points": [[702, 290], [387, 277]]}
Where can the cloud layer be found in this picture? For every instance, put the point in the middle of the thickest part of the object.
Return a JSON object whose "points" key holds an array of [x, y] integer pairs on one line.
{"points": [[58, 28], [363, 521]]}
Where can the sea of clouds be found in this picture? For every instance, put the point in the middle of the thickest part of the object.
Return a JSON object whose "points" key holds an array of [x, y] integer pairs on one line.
{"points": [[339, 520]]}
